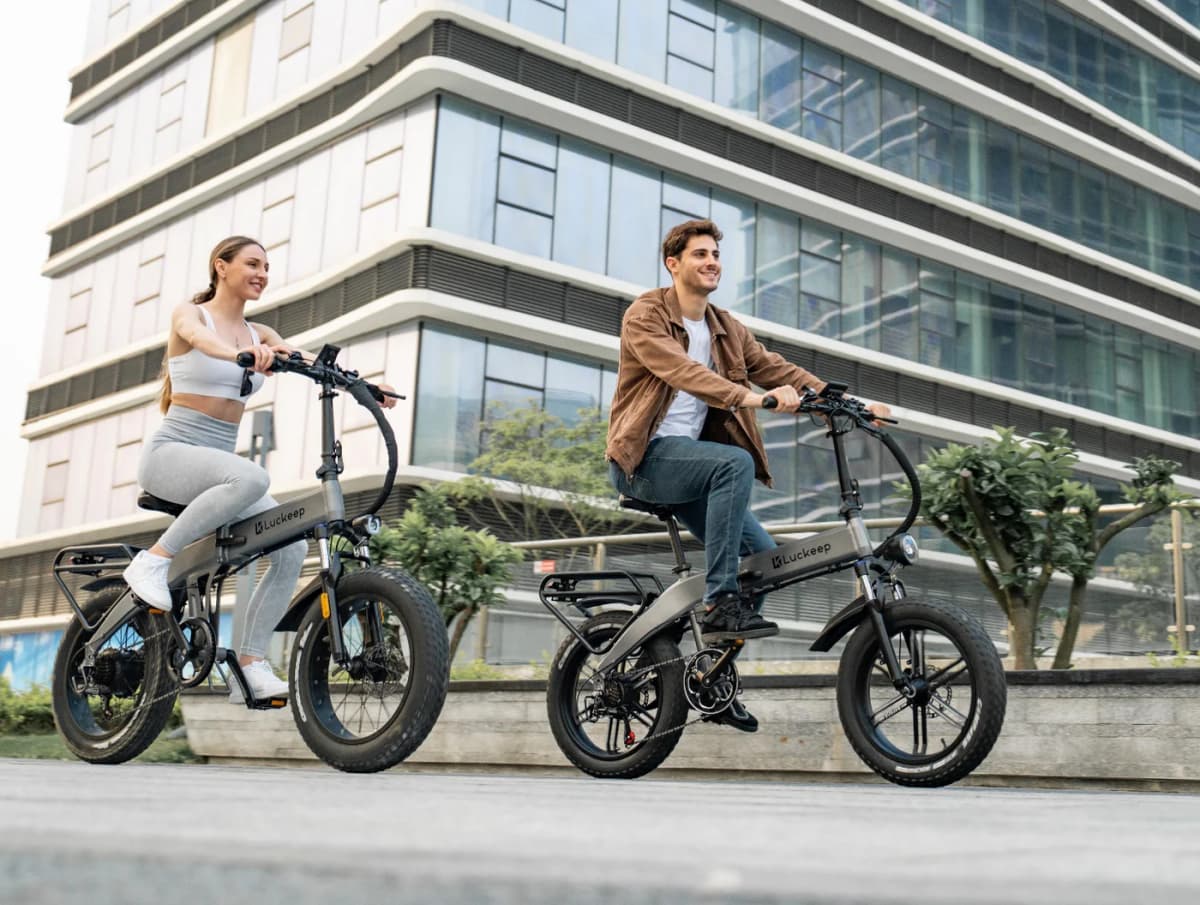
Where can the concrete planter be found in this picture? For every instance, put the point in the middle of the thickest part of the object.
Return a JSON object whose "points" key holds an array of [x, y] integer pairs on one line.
{"points": [[1116, 728]]}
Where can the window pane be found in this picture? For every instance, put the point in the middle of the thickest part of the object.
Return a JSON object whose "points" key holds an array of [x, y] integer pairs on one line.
{"points": [[735, 83], [777, 271], [898, 334], [538, 17], [819, 276], [526, 185], [691, 41], [735, 217], [899, 127], [860, 292], [529, 143], [700, 11], [860, 112], [592, 27], [570, 387], [685, 195], [581, 207], [780, 78], [633, 241], [464, 173], [689, 77], [515, 365], [642, 45], [449, 400], [523, 231]]}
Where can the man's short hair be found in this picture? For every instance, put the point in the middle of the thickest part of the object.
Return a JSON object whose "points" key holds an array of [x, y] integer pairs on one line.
{"points": [[677, 239]]}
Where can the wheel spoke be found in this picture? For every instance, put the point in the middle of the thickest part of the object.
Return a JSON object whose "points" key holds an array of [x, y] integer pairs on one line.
{"points": [[948, 674], [889, 710], [944, 708], [920, 730]]}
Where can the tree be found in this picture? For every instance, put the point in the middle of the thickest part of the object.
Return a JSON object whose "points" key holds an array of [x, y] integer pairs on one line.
{"points": [[1152, 490], [464, 570], [1012, 506], [556, 473], [1152, 571]]}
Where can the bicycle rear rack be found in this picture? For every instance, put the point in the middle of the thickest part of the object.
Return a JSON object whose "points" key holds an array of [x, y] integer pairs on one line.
{"points": [[561, 589], [95, 560]]}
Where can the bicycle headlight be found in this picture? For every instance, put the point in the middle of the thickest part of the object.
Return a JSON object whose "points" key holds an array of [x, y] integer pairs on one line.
{"points": [[907, 549]]}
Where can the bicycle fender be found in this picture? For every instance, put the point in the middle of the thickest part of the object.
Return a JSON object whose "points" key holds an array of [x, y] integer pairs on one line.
{"points": [[844, 621], [290, 621], [674, 603], [101, 583]]}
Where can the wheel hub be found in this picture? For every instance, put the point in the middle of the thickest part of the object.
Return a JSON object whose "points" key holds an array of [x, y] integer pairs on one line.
{"points": [[119, 671]]}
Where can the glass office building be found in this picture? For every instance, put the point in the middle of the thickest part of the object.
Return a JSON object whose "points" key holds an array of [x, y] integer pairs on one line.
{"points": [[981, 213]]}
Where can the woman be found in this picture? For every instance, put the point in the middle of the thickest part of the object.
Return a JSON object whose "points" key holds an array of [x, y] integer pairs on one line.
{"points": [[191, 459]]}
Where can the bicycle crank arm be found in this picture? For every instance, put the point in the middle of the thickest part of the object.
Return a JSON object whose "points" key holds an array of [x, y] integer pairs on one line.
{"points": [[730, 653], [229, 659]]}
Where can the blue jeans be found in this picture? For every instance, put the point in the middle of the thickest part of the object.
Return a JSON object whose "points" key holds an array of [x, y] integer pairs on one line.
{"points": [[708, 485]]}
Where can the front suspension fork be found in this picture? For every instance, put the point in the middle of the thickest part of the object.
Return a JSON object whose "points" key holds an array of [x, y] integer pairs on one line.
{"points": [[900, 681], [328, 596]]}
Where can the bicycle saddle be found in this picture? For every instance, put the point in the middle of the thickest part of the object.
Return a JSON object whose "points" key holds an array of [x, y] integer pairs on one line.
{"points": [[156, 504], [655, 509]]}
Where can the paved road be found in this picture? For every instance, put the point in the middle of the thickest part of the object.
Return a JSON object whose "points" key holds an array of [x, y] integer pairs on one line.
{"points": [[71, 833]]}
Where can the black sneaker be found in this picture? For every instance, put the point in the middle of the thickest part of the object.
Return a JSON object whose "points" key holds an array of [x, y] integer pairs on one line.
{"points": [[755, 626], [735, 716], [723, 620]]}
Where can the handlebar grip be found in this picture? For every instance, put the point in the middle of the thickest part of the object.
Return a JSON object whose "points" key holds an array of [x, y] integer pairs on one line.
{"points": [[245, 359], [770, 402]]}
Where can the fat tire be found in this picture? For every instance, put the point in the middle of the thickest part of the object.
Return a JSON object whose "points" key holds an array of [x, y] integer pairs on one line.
{"points": [[137, 735], [429, 672], [990, 689], [560, 700]]}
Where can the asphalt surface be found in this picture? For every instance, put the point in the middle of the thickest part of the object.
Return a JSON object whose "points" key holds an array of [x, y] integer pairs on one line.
{"points": [[70, 832]]}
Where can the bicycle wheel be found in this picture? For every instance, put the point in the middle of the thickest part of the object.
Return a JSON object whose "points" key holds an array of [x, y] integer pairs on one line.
{"points": [[376, 710], [947, 728], [112, 712], [623, 724]]}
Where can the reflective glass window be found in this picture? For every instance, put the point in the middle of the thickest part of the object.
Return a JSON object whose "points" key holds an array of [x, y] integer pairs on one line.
{"points": [[581, 214], [449, 400], [642, 37], [464, 172]]}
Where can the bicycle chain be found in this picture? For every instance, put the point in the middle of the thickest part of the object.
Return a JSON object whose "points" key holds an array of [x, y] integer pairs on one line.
{"points": [[645, 669]]}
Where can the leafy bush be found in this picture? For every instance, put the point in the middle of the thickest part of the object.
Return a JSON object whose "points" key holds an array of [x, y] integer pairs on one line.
{"points": [[26, 713]]}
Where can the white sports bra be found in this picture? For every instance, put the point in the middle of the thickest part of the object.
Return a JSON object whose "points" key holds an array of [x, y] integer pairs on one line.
{"points": [[202, 375]]}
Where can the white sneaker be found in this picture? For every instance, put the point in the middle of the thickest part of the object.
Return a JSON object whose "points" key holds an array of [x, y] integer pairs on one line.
{"points": [[262, 681], [146, 576]]}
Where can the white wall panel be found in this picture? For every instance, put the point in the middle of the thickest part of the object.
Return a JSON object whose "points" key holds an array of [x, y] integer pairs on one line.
{"points": [[264, 56], [103, 285], [121, 312], [195, 109], [328, 23], [420, 124], [82, 476], [359, 32], [56, 318], [308, 217], [401, 372], [343, 205], [103, 455], [178, 284]]}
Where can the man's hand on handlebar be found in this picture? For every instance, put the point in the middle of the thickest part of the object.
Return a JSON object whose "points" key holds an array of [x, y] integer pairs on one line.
{"points": [[786, 399], [882, 412]]}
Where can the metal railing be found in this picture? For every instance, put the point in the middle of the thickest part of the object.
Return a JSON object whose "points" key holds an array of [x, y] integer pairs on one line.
{"points": [[595, 550]]}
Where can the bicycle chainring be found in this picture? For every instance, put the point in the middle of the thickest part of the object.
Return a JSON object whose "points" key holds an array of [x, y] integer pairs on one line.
{"points": [[718, 691]]}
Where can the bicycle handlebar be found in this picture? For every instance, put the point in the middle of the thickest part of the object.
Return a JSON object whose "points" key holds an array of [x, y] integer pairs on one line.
{"points": [[833, 403], [366, 394]]}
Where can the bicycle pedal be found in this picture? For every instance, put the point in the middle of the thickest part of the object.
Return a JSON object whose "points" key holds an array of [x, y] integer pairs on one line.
{"points": [[268, 703]]}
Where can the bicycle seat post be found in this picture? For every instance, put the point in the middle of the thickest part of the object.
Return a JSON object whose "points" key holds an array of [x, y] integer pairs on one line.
{"points": [[681, 563]]}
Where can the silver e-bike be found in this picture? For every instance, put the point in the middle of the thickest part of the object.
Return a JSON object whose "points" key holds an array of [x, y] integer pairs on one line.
{"points": [[921, 690], [369, 668]]}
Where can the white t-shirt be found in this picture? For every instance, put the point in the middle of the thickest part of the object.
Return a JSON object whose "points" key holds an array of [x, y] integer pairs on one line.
{"points": [[685, 417]]}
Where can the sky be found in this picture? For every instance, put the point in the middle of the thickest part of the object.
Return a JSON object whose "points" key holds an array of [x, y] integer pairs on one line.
{"points": [[40, 44]]}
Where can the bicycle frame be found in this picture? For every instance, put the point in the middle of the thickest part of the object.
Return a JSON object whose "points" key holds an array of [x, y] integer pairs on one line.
{"points": [[202, 566]]}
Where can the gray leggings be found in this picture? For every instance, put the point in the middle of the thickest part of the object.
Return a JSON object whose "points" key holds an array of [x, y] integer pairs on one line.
{"points": [[190, 460]]}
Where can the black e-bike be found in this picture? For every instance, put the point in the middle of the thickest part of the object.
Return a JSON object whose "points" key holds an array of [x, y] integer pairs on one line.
{"points": [[921, 691], [369, 667]]}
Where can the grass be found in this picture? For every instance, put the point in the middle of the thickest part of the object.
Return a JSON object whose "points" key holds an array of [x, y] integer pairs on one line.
{"points": [[50, 747]]}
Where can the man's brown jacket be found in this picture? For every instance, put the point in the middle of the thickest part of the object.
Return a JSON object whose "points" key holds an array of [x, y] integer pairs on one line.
{"points": [[654, 367]]}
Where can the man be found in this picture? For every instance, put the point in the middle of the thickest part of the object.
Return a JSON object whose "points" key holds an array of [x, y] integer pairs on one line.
{"points": [[681, 431]]}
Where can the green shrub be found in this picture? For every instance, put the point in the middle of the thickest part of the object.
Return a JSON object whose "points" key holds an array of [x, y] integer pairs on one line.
{"points": [[26, 713]]}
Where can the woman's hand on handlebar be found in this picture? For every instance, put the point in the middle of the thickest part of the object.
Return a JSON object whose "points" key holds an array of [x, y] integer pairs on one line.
{"points": [[264, 356], [388, 401]]}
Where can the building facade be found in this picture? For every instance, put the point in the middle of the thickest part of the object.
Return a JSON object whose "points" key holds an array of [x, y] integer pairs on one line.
{"points": [[981, 213]]}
